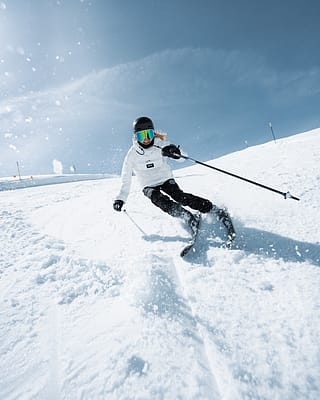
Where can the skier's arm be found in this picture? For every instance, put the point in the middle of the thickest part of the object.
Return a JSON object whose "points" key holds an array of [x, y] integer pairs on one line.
{"points": [[126, 177]]}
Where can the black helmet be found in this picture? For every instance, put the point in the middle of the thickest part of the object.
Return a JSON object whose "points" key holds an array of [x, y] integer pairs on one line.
{"points": [[142, 123]]}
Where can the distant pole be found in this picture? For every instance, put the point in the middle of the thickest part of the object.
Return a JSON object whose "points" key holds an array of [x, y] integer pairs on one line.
{"points": [[274, 138], [19, 171]]}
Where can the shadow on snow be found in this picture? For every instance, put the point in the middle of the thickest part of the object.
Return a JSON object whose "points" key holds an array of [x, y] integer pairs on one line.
{"points": [[254, 241]]}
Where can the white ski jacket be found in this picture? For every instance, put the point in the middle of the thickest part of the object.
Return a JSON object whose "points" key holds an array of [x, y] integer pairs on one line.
{"points": [[150, 167]]}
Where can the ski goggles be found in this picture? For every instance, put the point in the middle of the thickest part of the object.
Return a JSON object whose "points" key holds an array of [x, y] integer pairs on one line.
{"points": [[145, 134]]}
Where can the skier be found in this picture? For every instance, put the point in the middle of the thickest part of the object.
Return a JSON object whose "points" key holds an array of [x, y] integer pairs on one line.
{"points": [[147, 158]]}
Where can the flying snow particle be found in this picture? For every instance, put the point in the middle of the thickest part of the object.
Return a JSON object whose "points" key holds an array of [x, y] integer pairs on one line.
{"points": [[57, 167], [14, 148]]}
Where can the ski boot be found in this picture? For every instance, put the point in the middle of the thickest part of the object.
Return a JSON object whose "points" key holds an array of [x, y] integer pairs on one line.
{"points": [[191, 220], [224, 217]]}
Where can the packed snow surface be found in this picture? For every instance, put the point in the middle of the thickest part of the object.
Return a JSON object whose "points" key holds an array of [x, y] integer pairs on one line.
{"points": [[97, 304]]}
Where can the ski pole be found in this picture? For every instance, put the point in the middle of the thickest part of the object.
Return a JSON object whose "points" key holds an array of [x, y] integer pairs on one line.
{"points": [[286, 195], [134, 222]]}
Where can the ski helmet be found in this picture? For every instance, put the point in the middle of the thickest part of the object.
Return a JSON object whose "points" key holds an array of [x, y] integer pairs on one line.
{"points": [[142, 123]]}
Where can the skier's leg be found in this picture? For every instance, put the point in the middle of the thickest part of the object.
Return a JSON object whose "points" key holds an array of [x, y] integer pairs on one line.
{"points": [[169, 206], [186, 199], [164, 202]]}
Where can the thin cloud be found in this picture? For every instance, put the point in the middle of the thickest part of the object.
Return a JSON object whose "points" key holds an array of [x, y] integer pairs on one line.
{"points": [[166, 76], [87, 113]]}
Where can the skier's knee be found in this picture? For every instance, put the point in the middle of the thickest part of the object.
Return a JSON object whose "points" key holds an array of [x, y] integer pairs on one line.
{"points": [[205, 206], [148, 191]]}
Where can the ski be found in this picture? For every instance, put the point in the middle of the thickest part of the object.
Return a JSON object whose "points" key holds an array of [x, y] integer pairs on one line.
{"points": [[194, 236], [222, 217]]}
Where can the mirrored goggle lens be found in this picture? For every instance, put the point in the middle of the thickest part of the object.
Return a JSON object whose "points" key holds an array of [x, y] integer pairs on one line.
{"points": [[146, 134]]}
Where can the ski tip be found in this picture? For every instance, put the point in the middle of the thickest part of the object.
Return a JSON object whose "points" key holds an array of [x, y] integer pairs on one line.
{"points": [[232, 236], [229, 243], [186, 250]]}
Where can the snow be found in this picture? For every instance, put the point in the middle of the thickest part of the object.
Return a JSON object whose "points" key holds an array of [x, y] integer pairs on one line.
{"points": [[16, 182], [97, 304]]}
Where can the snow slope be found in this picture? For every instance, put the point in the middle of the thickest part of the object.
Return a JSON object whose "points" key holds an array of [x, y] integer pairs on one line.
{"points": [[95, 305], [12, 183]]}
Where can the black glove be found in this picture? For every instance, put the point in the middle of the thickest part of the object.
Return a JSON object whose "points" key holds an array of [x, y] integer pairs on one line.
{"points": [[171, 151], [117, 205]]}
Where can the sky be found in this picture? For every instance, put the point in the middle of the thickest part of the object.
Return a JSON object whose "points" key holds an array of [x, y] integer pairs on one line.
{"points": [[212, 74], [98, 304]]}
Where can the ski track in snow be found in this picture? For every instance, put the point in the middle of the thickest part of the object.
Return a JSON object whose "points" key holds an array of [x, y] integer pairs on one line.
{"points": [[92, 308]]}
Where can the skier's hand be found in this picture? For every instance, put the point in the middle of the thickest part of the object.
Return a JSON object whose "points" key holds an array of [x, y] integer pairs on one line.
{"points": [[118, 204], [171, 151]]}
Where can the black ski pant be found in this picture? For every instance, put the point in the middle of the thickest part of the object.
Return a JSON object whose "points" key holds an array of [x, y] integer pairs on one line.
{"points": [[180, 198]]}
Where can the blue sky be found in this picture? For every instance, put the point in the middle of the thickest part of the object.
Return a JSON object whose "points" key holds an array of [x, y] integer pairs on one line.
{"points": [[212, 74]]}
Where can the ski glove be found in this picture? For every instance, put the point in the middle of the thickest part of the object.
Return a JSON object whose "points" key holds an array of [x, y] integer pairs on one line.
{"points": [[118, 204], [171, 151]]}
